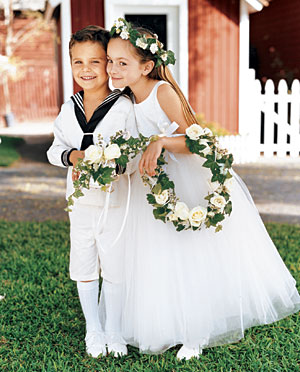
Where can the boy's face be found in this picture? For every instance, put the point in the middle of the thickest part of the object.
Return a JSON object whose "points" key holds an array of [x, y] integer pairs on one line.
{"points": [[88, 62]]}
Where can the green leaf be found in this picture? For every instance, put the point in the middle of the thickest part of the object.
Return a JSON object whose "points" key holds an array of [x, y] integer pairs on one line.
{"points": [[151, 199], [180, 227], [158, 215], [156, 189], [217, 218], [228, 208], [218, 228], [122, 160]]}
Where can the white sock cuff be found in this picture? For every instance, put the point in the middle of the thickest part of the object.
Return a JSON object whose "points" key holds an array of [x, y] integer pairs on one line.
{"points": [[87, 286]]}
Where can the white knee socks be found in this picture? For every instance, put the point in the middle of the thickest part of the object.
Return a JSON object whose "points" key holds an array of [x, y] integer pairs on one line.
{"points": [[113, 301], [88, 295]]}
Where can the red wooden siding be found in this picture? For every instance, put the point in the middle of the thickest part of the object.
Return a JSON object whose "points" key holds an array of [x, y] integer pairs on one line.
{"points": [[35, 95], [86, 13], [214, 59], [274, 32]]}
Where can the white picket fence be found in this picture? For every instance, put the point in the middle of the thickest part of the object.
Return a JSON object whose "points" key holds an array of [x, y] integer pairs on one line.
{"points": [[273, 123]]}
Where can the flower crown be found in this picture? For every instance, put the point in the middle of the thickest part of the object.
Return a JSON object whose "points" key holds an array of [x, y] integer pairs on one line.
{"points": [[127, 32]]}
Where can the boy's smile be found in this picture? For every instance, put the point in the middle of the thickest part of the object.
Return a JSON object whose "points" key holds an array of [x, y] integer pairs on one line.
{"points": [[88, 62]]}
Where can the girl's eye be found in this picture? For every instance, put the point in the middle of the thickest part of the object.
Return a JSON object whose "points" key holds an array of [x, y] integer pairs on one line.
{"points": [[96, 61], [109, 60], [77, 62], [122, 64]]}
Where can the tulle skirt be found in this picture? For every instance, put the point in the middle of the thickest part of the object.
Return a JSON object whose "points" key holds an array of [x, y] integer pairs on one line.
{"points": [[199, 288]]}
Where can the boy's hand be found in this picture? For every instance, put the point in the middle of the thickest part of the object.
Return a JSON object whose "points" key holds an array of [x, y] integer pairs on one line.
{"points": [[74, 157], [148, 162]]}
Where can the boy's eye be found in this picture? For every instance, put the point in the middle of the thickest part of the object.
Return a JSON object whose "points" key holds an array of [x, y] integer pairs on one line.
{"points": [[109, 60], [96, 61], [122, 64], [77, 62]]}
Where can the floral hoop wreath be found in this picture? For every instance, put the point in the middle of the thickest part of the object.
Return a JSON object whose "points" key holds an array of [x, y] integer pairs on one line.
{"points": [[127, 32], [101, 160]]}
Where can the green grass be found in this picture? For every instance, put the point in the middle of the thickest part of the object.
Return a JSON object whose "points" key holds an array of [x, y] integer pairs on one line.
{"points": [[42, 327], [8, 150]]}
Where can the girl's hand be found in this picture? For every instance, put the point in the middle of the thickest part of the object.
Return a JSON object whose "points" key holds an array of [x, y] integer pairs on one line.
{"points": [[74, 157], [148, 162]]}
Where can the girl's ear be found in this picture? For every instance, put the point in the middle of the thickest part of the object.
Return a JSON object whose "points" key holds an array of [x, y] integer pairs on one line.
{"points": [[148, 67]]}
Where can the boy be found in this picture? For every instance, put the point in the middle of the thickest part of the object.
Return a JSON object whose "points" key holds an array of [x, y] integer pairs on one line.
{"points": [[92, 111]]}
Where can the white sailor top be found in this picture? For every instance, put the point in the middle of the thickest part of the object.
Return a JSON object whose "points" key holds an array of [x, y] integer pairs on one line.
{"points": [[68, 135]]}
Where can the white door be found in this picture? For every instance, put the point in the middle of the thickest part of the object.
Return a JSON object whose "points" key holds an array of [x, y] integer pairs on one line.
{"points": [[174, 13]]}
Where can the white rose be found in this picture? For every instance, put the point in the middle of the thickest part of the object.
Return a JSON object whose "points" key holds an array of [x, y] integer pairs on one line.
{"points": [[181, 211], [164, 57], [207, 132], [172, 217], [162, 198], [153, 48], [194, 131], [197, 216], [124, 34], [210, 214], [218, 201], [112, 152], [93, 154], [229, 182], [119, 24], [141, 44]]}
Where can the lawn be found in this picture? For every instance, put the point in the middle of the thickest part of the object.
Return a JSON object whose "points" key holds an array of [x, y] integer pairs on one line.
{"points": [[8, 150], [42, 327]]}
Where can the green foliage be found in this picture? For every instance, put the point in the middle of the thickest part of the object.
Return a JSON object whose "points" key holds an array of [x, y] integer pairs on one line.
{"points": [[213, 126], [42, 326], [8, 150]]}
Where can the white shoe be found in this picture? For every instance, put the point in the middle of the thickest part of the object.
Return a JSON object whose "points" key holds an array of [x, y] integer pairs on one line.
{"points": [[117, 350], [188, 353], [95, 346]]}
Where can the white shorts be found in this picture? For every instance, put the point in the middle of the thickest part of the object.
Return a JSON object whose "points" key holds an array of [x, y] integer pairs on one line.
{"points": [[91, 251]]}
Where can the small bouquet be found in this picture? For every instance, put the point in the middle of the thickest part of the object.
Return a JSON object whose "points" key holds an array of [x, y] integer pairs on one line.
{"points": [[103, 162]]}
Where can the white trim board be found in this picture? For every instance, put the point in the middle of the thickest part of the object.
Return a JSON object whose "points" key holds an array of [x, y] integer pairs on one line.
{"points": [[177, 28]]}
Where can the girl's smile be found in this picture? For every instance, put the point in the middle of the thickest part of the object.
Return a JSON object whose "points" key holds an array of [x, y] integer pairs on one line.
{"points": [[123, 65]]}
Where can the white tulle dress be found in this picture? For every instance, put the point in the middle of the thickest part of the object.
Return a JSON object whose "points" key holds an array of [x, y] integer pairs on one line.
{"points": [[199, 288]]}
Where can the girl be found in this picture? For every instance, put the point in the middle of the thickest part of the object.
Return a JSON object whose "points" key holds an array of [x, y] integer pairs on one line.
{"points": [[195, 288]]}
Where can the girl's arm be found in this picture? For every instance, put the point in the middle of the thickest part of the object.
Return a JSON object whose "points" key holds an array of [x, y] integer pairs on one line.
{"points": [[172, 106]]}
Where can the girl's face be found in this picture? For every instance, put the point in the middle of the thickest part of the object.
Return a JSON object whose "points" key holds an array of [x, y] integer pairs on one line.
{"points": [[123, 65], [88, 62]]}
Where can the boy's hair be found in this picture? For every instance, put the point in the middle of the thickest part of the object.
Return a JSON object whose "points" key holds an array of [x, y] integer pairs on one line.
{"points": [[92, 33], [161, 72]]}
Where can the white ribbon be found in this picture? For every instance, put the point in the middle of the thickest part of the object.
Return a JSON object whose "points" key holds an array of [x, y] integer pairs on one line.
{"points": [[167, 130], [103, 215]]}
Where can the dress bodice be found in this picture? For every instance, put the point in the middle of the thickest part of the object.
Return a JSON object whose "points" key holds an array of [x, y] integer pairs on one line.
{"points": [[149, 115]]}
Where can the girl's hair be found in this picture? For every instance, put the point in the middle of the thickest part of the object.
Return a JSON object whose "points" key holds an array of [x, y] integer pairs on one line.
{"points": [[162, 72], [92, 33]]}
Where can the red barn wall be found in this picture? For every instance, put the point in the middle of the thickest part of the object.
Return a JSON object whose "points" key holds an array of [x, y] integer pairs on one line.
{"points": [[214, 60], [86, 13], [35, 95], [274, 33]]}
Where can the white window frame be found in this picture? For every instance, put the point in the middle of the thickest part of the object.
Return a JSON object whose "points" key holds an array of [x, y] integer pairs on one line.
{"points": [[177, 28]]}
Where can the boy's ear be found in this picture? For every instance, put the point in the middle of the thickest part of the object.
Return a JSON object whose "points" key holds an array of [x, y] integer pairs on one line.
{"points": [[148, 67]]}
